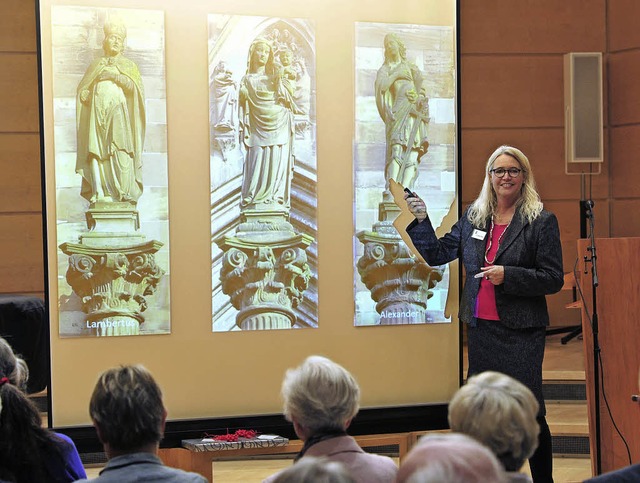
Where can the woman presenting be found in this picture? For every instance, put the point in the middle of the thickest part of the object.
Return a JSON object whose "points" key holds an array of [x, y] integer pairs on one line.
{"points": [[510, 249]]}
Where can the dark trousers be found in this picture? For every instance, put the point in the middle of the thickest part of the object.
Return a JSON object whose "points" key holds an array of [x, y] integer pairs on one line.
{"points": [[541, 462]]}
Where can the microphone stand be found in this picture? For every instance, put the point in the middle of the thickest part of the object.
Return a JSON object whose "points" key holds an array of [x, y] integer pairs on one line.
{"points": [[594, 328]]}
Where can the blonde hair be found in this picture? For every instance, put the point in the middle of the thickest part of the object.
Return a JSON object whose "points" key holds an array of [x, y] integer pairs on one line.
{"points": [[320, 395], [500, 412], [485, 204]]}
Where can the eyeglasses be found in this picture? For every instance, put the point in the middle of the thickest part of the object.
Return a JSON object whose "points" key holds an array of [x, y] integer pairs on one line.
{"points": [[500, 172]]}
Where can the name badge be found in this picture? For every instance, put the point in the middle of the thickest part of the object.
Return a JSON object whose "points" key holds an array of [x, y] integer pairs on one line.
{"points": [[478, 234]]}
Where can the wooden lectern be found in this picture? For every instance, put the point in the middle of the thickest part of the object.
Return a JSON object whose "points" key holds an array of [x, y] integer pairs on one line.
{"points": [[618, 307]]}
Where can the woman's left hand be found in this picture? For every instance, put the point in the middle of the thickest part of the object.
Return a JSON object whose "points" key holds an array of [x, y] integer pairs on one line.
{"points": [[493, 273]]}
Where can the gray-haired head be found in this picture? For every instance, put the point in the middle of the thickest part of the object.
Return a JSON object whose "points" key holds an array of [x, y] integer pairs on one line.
{"points": [[320, 395]]}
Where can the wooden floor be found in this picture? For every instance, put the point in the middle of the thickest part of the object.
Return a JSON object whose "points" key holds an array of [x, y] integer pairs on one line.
{"points": [[561, 363]]}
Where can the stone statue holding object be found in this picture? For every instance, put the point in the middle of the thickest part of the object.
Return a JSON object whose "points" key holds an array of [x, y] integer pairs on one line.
{"points": [[404, 108], [110, 115], [267, 131], [225, 99]]}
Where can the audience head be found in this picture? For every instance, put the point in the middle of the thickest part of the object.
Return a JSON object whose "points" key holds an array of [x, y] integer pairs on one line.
{"points": [[451, 458], [13, 367], [127, 410], [319, 395], [500, 412], [22, 437], [19, 413], [315, 470]]}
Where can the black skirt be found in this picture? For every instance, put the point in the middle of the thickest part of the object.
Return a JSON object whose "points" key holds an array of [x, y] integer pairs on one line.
{"points": [[515, 352]]}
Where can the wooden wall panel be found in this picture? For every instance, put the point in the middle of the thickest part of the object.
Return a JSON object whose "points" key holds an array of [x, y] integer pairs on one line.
{"points": [[21, 241], [624, 88], [545, 150], [21, 245], [568, 214], [20, 187], [625, 218], [625, 161], [532, 26], [512, 91], [17, 26], [19, 93], [623, 17]]}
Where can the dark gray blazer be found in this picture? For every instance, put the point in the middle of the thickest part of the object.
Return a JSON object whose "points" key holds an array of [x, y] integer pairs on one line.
{"points": [[628, 474], [530, 253], [147, 467]]}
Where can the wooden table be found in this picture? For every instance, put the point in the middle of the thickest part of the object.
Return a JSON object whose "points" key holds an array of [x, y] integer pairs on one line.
{"points": [[197, 455]]}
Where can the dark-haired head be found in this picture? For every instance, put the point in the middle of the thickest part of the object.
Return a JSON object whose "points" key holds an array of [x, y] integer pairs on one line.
{"points": [[22, 437], [127, 410]]}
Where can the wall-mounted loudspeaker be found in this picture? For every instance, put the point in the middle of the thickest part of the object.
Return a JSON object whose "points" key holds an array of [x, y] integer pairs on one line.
{"points": [[583, 108]]}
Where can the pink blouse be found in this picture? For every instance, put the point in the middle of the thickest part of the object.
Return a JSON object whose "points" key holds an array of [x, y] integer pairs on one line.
{"points": [[486, 300]]}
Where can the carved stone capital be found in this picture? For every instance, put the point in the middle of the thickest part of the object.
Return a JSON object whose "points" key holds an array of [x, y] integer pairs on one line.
{"points": [[112, 284], [399, 283], [265, 277]]}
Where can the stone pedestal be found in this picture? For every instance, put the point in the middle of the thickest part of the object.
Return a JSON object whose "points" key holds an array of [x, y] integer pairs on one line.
{"points": [[113, 284], [399, 283], [265, 272], [113, 269], [112, 223]]}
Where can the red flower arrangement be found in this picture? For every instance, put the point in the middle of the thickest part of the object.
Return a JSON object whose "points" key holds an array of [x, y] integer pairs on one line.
{"points": [[233, 437]]}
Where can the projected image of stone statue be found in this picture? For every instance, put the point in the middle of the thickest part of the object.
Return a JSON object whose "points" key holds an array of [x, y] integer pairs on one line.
{"points": [[111, 181], [224, 99], [111, 123], [404, 108], [267, 132], [263, 175], [405, 133]]}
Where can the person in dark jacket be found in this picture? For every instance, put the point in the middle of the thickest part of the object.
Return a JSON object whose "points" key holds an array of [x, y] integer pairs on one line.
{"points": [[511, 252], [129, 416]]}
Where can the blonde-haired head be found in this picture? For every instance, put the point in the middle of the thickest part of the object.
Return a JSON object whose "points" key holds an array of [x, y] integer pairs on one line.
{"points": [[500, 412], [486, 203]]}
